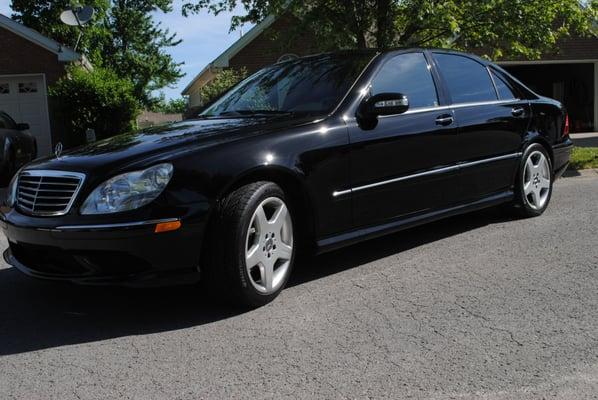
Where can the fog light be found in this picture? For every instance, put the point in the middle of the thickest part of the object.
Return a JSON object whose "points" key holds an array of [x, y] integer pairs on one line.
{"points": [[167, 226]]}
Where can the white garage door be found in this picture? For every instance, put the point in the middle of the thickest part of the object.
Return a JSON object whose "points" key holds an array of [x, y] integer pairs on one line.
{"points": [[25, 99]]}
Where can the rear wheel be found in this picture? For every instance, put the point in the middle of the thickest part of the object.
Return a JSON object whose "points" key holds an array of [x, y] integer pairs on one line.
{"points": [[254, 249], [534, 182]]}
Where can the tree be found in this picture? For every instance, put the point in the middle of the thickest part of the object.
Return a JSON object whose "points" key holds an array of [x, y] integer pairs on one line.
{"points": [[172, 106], [224, 80], [122, 36], [96, 99], [500, 27], [137, 46]]}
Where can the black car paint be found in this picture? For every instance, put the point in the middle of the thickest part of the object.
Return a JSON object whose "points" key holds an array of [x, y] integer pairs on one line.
{"points": [[312, 158], [17, 146]]}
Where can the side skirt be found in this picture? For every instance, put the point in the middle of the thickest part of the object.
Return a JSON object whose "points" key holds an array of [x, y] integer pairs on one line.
{"points": [[352, 237]]}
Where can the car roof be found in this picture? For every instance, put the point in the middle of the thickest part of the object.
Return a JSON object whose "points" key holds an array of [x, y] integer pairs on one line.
{"points": [[375, 51]]}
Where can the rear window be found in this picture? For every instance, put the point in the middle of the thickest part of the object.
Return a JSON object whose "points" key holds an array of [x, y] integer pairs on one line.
{"points": [[504, 90], [467, 80]]}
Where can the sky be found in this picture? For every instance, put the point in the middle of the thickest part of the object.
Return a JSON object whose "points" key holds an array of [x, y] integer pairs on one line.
{"points": [[204, 36]]}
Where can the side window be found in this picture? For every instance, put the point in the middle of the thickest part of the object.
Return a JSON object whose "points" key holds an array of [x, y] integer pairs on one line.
{"points": [[408, 74], [3, 122], [504, 90], [467, 80]]}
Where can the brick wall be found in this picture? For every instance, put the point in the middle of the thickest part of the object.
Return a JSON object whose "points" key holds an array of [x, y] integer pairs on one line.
{"points": [[277, 40], [20, 56]]}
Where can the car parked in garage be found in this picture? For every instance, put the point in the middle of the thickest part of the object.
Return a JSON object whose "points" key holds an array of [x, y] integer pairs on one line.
{"points": [[17, 147], [318, 152]]}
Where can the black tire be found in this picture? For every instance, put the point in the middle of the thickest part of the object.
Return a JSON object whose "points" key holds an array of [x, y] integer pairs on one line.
{"points": [[226, 274], [524, 203]]}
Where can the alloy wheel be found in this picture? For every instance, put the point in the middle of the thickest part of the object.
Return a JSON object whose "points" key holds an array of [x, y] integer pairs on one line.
{"points": [[536, 180], [269, 245]]}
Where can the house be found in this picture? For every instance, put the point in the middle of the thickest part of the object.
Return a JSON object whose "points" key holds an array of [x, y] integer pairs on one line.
{"points": [[29, 64], [569, 75], [264, 44]]}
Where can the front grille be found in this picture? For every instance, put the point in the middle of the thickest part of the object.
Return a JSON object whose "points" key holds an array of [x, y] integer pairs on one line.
{"points": [[47, 192]]}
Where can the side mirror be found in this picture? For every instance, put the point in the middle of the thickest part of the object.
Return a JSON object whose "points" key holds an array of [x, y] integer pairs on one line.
{"points": [[22, 127], [383, 104]]}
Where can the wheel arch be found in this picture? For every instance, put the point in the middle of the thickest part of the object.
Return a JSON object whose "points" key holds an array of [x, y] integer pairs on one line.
{"points": [[536, 138], [293, 186]]}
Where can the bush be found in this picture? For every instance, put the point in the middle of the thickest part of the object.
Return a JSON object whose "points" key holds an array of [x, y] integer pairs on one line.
{"points": [[96, 99]]}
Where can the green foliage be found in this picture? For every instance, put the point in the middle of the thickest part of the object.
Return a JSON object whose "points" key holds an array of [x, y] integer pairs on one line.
{"points": [[96, 99], [44, 17], [502, 28], [224, 80], [123, 37], [136, 50], [172, 106], [584, 157]]}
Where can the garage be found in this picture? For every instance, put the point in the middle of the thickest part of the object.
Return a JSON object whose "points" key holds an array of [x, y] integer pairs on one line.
{"points": [[30, 63], [25, 99], [574, 83]]}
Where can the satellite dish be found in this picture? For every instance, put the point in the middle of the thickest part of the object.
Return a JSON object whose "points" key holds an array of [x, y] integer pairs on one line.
{"points": [[77, 16]]}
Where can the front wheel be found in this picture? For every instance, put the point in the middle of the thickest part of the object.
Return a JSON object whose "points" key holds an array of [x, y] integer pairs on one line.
{"points": [[254, 248], [534, 182]]}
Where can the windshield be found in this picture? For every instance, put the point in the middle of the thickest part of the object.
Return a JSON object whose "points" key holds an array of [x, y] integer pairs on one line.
{"points": [[312, 85]]}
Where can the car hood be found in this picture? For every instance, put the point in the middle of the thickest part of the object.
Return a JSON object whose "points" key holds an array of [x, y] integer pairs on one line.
{"points": [[123, 150]]}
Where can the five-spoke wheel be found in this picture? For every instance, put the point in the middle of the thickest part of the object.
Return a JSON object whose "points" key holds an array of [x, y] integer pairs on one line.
{"points": [[253, 250], [269, 245], [534, 184], [537, 180]]}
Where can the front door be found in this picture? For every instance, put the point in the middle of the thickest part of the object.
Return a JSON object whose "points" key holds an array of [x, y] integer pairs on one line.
{"points": [[402, 165]]}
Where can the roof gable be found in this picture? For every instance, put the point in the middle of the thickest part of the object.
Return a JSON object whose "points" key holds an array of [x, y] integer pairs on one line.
{"points": [[64, 54], [222, 61]]}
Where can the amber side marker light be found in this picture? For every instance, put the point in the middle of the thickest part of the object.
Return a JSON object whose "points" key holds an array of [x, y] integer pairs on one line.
{"points": [[167, 226]]}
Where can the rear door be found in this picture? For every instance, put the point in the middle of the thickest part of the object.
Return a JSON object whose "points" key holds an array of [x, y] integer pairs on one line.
{"points": [[492, 122], [397, 167]]}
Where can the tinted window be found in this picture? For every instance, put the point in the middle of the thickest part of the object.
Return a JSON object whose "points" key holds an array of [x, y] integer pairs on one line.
{"points": [[408, 74], [504, 91], [308, 85], [467, 80], [3, 122]]}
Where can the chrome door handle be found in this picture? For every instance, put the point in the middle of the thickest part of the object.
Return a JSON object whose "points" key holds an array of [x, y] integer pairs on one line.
{"points": [[517, 111], [444, 120]]}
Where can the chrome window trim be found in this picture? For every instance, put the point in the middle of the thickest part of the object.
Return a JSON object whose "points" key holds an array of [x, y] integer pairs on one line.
{"points": [[100, 227], [427, 173], [58, 174], [453, 106]]}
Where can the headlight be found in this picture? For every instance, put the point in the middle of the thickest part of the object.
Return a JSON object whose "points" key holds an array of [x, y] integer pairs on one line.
{"points": [[11, 191], [128, 191]]}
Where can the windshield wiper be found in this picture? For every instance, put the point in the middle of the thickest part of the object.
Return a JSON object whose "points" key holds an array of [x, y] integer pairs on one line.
{"points": [[251, 113]]}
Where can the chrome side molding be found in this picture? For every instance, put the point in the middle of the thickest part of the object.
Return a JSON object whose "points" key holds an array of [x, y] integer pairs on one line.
{"points": [[426, 173]]}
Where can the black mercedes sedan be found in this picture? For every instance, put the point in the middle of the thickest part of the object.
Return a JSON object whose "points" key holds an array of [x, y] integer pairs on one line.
{"points": [[313, 153]]}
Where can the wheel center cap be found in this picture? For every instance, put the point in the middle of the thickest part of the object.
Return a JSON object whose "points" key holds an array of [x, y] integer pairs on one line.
{"points": [[269, 244]]}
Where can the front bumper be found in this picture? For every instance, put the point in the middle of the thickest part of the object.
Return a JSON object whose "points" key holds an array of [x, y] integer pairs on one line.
{"points": [[114, 254]]}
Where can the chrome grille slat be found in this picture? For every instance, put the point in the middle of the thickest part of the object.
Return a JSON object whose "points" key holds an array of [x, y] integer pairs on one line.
{"points": [[47, 192]]}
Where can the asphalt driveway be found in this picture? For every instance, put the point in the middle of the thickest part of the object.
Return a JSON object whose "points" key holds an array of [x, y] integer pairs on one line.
{"points": [[478, 306]]}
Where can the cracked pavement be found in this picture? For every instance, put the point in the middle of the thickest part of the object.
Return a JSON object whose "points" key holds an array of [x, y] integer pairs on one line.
{"points": [[479, 306]]}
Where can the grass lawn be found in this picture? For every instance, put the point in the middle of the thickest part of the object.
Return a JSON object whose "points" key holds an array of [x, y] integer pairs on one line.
{"points": [[584, 157]]}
